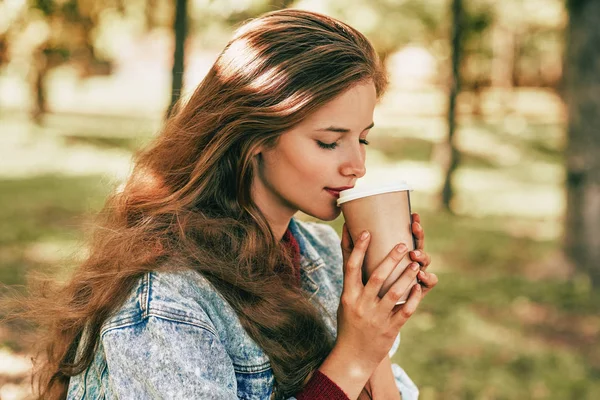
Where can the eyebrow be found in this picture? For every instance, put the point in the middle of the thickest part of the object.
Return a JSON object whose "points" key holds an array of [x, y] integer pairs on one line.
{"points": [[343, 130]]}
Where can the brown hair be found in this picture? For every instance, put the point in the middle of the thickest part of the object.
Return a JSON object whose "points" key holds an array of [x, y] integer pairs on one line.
{"points": [[187, 202]]}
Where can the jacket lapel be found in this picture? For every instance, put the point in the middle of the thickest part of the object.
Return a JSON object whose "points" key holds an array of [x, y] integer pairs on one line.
{"points": [[310, 260]]}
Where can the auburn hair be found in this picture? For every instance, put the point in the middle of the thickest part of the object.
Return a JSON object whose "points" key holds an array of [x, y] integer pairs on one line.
{"points": [[188, 204]]}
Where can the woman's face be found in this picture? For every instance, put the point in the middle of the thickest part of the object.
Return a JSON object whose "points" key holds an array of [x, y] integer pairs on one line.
{"points": [[325, 151]]}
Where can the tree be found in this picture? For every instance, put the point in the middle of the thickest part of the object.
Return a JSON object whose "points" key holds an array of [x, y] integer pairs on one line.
{"points": [[180, 27], [581, 88], [68, 37], [451, 157], [227, 15]]}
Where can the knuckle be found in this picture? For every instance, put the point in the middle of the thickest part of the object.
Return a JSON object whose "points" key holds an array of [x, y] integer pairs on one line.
{"points": [[359, 313], [390, 334], [406, 312], [351, 264], [345, 300], [377, 279], [395, 293]]}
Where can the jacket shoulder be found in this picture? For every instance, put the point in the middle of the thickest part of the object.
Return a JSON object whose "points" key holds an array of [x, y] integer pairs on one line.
{"points": [[167, 294]]}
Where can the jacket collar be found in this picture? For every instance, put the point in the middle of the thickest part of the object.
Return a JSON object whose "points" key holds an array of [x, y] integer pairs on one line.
{"points": [[309, 257], [310, 260]]}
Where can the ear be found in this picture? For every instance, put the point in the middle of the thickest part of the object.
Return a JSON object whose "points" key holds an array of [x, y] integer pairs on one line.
{"points": [[257, 150], [256, 156]]}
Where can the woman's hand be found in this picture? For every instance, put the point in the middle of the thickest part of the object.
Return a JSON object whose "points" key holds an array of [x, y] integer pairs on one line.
{"points": [[367, 324], [381, 383], [427, 279]]}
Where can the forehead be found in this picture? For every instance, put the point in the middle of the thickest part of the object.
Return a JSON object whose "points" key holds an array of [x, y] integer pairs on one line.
{"points": [[351, 109]]}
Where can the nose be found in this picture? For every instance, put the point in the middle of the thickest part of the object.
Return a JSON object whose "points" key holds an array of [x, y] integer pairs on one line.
{"points": [[354, 163]]}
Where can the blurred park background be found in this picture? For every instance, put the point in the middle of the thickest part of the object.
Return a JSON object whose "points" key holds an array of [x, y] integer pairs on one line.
{"points": [[493, 116]]}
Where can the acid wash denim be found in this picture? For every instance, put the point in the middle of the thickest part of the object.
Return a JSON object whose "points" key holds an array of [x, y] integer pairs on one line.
{"points": [[175, 337]]}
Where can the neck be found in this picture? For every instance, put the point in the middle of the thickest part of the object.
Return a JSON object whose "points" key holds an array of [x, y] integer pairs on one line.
{"points": [[277, 212], [279, 227]]}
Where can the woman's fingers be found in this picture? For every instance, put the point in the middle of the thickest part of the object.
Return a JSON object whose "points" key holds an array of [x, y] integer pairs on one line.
{"points": [[417, 231], [353, 266], [416, 217], [401, 286], [421, 257], [346, 243], [427, 280], [403, 313], [384, 270]]}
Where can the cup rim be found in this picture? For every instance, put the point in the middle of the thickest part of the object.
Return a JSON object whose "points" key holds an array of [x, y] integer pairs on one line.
{"points": [[371, 190]]}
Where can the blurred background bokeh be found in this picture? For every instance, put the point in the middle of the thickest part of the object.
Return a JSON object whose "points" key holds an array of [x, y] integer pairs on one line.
{"points": [[493, 116]]}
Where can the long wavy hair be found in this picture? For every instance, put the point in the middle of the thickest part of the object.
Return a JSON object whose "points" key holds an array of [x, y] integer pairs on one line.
{"points": [[188, 204]]}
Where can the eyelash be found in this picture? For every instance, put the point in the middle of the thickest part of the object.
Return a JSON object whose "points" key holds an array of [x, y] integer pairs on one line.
{"points": [[331, 146]]}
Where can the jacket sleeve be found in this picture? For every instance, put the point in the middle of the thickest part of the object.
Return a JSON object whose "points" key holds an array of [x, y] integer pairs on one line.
{"points": [[162, 358]]}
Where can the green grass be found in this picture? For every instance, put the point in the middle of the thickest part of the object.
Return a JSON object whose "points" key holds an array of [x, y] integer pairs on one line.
{"points": [[47, 206], [41, 220], [503, 337]]}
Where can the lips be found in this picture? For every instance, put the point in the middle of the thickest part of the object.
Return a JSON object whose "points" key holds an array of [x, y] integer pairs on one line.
{"points": [[339, 189], [336, 191]]}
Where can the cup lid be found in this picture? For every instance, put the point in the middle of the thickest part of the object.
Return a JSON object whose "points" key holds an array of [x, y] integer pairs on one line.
{"points": [[371, 190]]}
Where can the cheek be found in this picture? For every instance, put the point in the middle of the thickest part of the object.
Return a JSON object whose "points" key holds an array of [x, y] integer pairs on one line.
{"points": [[303, 161], [313, 167]]}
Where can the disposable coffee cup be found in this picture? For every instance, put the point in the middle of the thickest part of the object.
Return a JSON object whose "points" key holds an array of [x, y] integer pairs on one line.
{"points": [[384, 210]]}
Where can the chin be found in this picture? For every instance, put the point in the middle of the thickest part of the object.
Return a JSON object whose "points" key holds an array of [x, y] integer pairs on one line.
{"points": [[325, 215]]}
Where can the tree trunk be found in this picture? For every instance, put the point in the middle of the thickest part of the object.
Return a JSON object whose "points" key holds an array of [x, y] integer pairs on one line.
{"points": [[40, 72], [180, 29], [581, 92], [450, 157]]}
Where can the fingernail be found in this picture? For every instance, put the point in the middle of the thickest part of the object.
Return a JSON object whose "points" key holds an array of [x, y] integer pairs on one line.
{"points": [[401, 248], [414, 266], [417, 253], [421, 274], [364, 235]]}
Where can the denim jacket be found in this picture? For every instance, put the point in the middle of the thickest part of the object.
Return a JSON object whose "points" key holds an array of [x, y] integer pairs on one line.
{"points": [[175, 337]]}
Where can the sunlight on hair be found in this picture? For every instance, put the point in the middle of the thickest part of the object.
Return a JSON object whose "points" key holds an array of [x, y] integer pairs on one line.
{"points": [[240, 58], [271, 77]]}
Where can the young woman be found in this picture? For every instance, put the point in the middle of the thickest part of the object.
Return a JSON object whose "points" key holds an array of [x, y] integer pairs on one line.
{"points": [[200, 283]]}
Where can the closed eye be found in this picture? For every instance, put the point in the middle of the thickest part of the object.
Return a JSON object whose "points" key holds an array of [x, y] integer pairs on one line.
{"points": [[331, 146]]}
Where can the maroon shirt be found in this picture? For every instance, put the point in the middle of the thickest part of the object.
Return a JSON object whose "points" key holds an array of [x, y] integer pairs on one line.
{"points": [[319, 387]]}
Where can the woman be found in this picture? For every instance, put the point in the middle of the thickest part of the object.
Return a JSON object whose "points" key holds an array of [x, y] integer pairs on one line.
{"points": [[199, 282]]}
